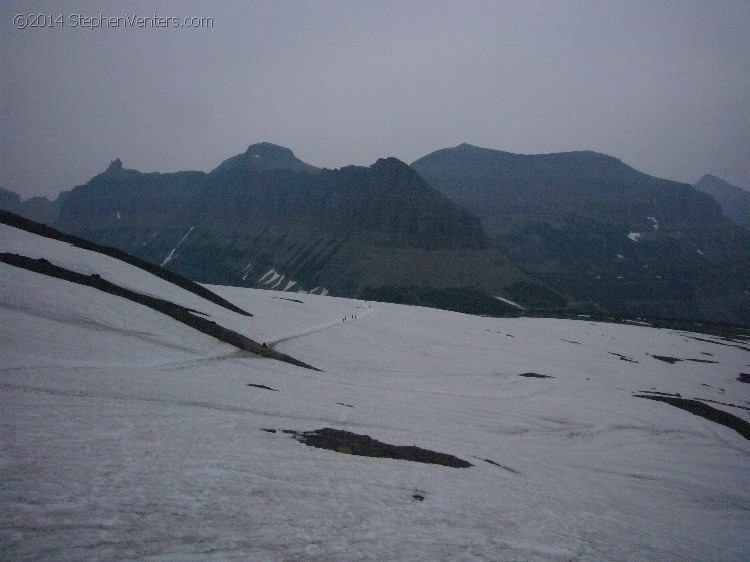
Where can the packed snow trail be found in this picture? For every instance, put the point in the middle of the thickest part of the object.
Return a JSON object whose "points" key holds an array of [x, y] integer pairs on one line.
{"points": [[321, 327]]}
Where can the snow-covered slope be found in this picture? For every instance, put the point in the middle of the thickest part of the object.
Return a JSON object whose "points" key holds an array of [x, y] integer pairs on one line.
{"points": [[126, 434]]}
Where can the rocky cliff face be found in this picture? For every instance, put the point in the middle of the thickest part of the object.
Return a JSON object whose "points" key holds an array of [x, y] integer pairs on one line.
{"points": [[290, 226], [580, 231]]}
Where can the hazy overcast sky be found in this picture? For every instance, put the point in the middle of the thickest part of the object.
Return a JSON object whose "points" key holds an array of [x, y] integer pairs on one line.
{"points": [[662, 85]]}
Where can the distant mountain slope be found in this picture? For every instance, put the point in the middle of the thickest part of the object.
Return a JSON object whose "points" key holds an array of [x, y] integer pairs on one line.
{"points": [[734, 201], [39, 209], [266, 219], [596, 229], [9, 201]]}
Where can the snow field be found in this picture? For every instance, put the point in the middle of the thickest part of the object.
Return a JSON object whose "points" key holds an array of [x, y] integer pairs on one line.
{"points": [[126, 434]]}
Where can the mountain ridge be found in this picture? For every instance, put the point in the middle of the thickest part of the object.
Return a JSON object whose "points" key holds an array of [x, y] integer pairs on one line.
{"points": [[597, 229], [734, 201], [576, 231], [292, 227]]}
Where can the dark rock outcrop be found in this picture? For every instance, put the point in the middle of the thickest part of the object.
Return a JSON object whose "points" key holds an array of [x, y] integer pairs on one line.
{"points": [[363, 445]]}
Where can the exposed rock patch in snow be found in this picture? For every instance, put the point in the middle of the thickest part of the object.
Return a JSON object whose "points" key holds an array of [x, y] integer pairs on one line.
{"points": [[493, 463], [535, 376], [623, 357], [673, 360], [698, 408], [290, 300], [363, 445], [261, 386]]}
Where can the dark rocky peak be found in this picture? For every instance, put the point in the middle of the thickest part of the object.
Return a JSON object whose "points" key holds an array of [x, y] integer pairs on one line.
{"points": [[265, 156], [115, 166], [389, 163], [115, 171], [393, 170], [710, 183], [709, 178], [269, 150]]}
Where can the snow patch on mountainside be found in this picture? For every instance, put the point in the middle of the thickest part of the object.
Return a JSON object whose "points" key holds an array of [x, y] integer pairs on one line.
{"points": [[273, 280], [150, 239], [172, 252], [510, 302], [269, 272]]}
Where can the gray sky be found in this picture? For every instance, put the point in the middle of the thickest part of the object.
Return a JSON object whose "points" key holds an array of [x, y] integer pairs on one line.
{"points": [[662, 85]]}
